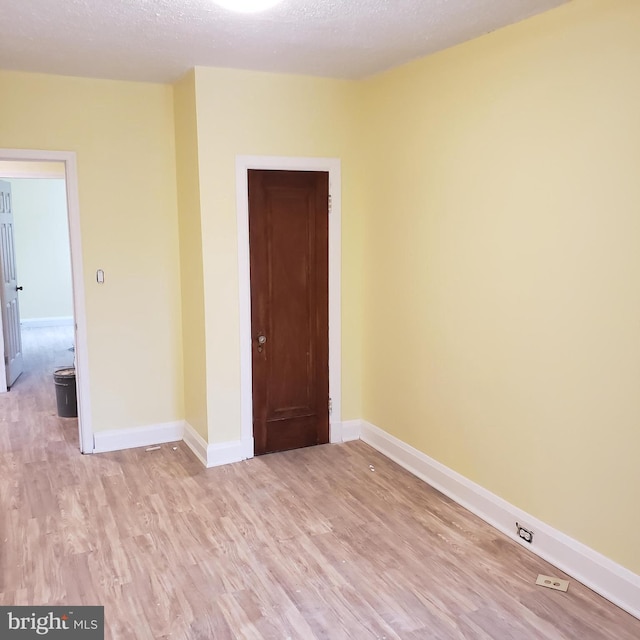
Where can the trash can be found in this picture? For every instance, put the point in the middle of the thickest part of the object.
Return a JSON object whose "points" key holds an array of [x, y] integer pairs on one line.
{"points": [[65, 381]]}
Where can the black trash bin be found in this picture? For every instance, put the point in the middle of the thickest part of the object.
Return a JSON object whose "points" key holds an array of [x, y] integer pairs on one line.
{"points": [[65, 381]]}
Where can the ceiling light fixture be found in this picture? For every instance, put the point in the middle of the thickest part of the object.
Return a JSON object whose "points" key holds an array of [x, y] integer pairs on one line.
{"points": [[247, 6]]}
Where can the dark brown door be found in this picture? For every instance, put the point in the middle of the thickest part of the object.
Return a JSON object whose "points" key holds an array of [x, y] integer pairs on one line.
{"points": [[289, 249]]}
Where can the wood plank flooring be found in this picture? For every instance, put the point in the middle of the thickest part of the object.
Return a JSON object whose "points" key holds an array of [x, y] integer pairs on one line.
{"points": [[304, 544]]}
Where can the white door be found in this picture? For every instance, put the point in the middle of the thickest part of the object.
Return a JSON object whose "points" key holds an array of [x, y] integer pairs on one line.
{"points": [[9, 291]]}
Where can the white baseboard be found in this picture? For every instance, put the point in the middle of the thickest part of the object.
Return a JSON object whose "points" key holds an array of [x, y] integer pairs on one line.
{"points": [[117, 439], [345, 431], [62, 321], [225, 453], [196, 443], [215, 455], [612, 581], [351, 430]]}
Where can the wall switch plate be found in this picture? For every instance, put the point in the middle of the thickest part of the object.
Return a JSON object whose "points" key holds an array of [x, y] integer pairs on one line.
{"points": [[552, 583]]}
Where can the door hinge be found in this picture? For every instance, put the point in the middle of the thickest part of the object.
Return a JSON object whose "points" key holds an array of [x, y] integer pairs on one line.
{"points": [[330, 203], [330, 405]]}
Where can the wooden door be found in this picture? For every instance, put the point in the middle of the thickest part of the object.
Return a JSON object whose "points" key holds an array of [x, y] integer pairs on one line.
{"points": [[9, 293], [289, 256]]}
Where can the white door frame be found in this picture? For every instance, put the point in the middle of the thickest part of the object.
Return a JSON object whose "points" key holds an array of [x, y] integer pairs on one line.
{"points": [[79, 310], [331, 165]]}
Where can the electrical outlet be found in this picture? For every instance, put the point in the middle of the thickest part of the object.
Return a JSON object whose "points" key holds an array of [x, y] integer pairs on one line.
{"points": [[552, 583], [525, 534]]}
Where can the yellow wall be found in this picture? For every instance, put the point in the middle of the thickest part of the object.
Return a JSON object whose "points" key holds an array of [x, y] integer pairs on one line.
{"points": [[192, 284], [501, 304], [124, 139], [43, 261], [250, 113]]}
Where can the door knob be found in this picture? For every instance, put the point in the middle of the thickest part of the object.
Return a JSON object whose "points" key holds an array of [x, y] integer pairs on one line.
{"points": [[262, 340], [19, 288]]}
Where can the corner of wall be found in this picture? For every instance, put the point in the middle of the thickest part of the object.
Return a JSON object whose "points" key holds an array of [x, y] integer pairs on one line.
{"points": [[215, 455]]}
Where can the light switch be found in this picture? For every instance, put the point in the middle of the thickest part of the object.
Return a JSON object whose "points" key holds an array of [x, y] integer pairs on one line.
{"points": [[100, 276]]}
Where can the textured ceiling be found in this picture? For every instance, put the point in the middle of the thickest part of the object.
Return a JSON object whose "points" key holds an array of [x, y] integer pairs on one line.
{"points": [[158, 40]]}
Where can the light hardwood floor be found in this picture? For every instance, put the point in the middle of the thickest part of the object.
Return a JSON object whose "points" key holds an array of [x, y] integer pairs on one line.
{"points": [[305, 544]]}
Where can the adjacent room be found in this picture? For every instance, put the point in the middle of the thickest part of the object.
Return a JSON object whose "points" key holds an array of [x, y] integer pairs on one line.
{"points": [[41, 257], [351, 294]]}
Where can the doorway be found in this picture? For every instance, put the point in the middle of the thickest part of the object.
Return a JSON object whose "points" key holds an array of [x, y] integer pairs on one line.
{"points": [[332, 166], [38, 164], [35, 261]]}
